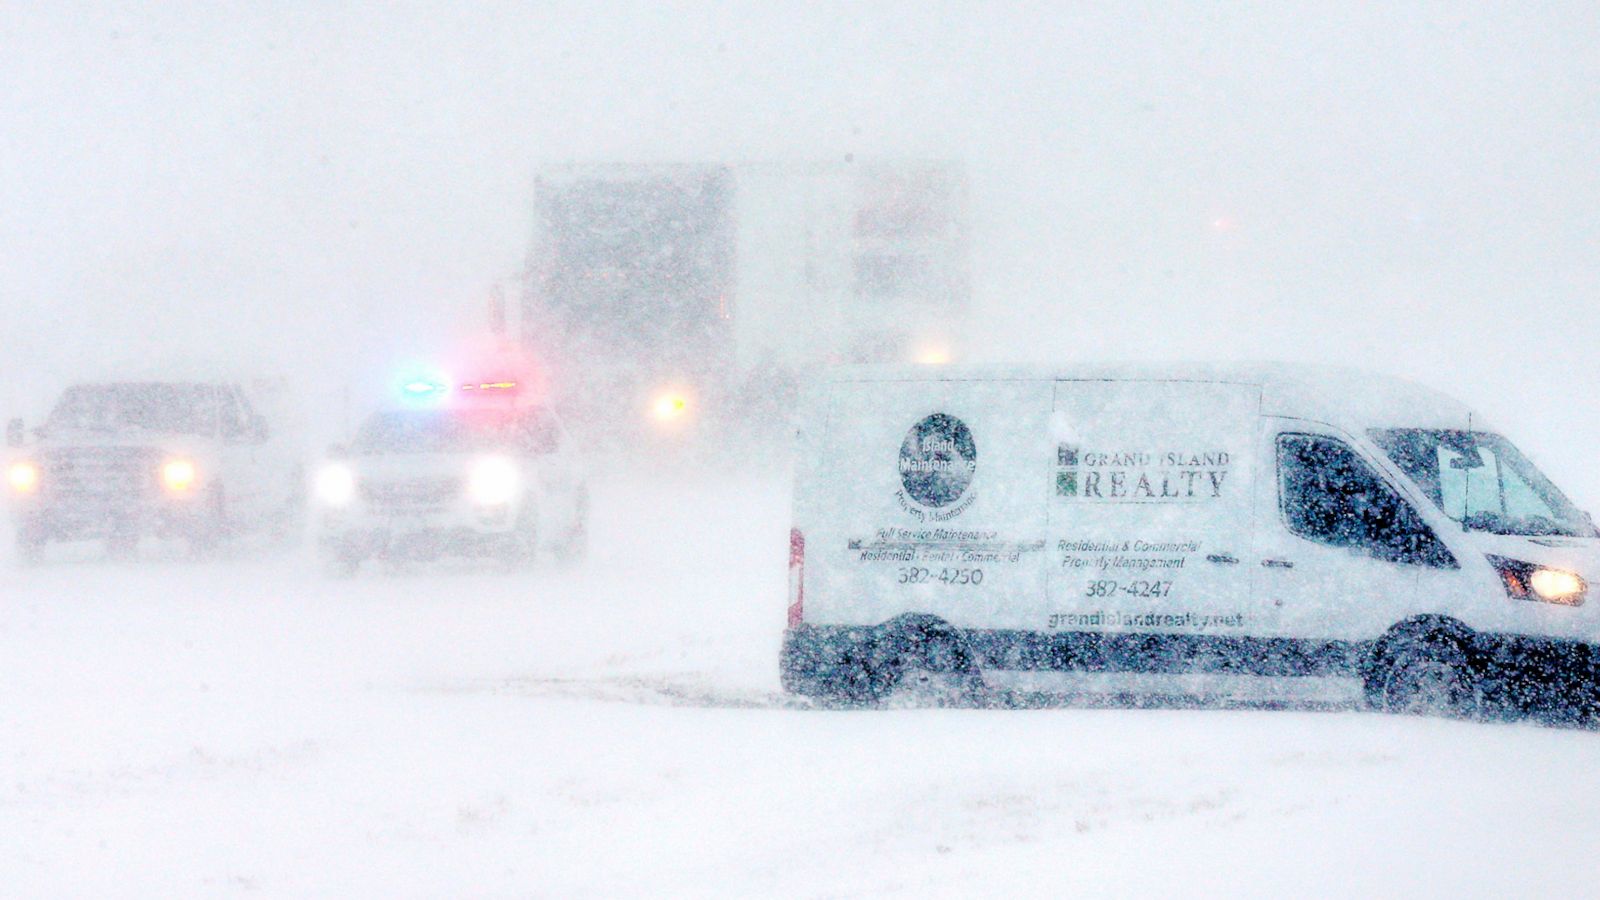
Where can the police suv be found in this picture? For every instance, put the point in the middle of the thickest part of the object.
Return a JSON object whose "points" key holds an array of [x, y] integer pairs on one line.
{"points": [[1006, 527], [478, 474], [117, 461]]}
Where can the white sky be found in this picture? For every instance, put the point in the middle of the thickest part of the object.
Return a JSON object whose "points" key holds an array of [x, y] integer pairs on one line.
{"points": [[299, 185]]}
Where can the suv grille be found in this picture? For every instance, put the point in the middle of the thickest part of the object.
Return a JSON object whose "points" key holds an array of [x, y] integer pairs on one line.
{"points": [[413, 495], [101, 475]]}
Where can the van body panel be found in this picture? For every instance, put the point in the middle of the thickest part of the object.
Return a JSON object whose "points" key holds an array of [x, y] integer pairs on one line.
{"points": [[1150, 506], [1315, 591], [1150, 519], [935, 503]]}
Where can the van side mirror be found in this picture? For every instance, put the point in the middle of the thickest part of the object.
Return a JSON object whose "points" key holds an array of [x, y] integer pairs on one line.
{"points": [[14, 433]]}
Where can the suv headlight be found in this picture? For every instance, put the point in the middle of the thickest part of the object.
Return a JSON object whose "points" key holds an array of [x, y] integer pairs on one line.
{"points": [[178, 476], [336, 485], [23, 476], [493, 481]]}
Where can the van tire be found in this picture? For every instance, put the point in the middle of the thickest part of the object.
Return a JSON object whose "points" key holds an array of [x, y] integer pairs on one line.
{"points": [[1423, 674], [933, 668]]}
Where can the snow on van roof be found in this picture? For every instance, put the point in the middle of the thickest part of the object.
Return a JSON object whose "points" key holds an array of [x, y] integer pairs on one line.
{"points": [[1348, 398]]}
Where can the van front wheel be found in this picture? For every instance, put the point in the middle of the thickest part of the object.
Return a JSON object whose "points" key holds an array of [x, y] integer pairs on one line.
{"points": [[1423, 675]]}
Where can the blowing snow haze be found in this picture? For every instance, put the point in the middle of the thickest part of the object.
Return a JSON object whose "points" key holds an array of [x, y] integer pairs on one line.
{"points": [[322, 190], [1174, 608]]}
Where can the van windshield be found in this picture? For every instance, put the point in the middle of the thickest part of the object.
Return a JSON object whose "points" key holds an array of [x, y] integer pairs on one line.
{"points": [[1482, 481]]}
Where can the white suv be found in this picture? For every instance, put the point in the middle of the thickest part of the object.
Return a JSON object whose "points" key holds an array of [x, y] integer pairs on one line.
{"points": [[426, 483], [117, 461]]}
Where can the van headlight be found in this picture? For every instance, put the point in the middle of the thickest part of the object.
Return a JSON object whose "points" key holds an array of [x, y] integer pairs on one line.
{"points": [[1556, 586], [178, 476], [1529, 581], [336, 485], [493, 481]]}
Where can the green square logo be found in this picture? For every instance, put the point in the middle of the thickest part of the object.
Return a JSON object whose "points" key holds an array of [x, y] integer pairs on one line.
{"points": [[1067, 483]]}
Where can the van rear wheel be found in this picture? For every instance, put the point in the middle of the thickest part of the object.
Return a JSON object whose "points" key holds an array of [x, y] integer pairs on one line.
{"points": [[934, 670], [1423, 675]]}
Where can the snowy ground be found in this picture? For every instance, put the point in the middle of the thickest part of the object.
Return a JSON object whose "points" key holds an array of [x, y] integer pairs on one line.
{"points": [[173, 728]]}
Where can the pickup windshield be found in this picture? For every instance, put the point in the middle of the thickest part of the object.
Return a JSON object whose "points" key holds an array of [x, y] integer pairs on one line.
{"points": [[1482, 481], [442, 431], [154, 407]]}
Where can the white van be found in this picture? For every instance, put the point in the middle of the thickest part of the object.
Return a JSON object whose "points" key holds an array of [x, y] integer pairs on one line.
{"points": [[981, 524]]}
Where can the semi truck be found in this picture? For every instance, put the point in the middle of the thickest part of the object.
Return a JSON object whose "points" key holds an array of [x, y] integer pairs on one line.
{"points": [[690, 296]]}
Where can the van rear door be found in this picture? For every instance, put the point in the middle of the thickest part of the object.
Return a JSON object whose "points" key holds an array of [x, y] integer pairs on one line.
{"points": [[1150, 514]]}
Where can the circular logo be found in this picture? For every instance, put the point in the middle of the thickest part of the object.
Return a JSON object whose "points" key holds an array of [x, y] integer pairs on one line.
{"points": [[937, 460]]}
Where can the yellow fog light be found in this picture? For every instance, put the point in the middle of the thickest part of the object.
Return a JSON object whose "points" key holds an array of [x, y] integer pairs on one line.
{"points": [[1556, 586], [178, 475], [23, 477], [670, 406]]}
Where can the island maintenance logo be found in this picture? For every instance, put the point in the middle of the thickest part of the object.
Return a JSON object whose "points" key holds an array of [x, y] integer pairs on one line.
{"points": [[937, 461]]}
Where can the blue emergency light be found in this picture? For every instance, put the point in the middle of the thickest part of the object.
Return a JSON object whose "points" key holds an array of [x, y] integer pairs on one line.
{"points": [[421, 388]]}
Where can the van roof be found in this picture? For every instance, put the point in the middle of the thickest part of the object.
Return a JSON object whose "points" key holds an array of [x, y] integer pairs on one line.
{"points": [[1347, 398]]}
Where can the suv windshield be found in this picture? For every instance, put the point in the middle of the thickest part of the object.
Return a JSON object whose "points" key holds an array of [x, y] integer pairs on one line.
{"points": [[1482, 481], [169, 408], [439, 431]]}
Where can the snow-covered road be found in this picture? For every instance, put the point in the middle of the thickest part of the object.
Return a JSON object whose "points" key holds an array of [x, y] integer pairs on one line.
{"points": [[615, 729]]}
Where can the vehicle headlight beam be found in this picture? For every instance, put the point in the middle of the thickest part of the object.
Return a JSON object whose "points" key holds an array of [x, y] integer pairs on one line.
{"points": [[493, 481], [335, 485]]}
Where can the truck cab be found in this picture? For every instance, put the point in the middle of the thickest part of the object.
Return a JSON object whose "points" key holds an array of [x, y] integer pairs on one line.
{"points": [[120, 461]]}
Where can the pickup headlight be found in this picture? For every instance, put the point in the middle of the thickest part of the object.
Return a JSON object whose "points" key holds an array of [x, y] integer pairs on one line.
{"points": [[23, 476], [493, 481], [1528, 581], [178, 476], [336, 485]]}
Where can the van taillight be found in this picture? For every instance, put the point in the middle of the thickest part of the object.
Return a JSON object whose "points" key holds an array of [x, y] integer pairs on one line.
{"points": [[797, 577]]}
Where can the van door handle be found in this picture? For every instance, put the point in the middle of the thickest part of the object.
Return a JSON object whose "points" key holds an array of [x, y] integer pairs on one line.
{"points": [[1222, 559], [1277, 563]]}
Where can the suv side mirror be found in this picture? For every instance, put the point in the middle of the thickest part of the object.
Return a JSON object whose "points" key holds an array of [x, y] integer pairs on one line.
{"points": [[14, 433]]}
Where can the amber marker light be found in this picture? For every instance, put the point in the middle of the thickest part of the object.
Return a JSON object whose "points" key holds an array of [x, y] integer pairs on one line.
{"points": [[670, 406]]}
